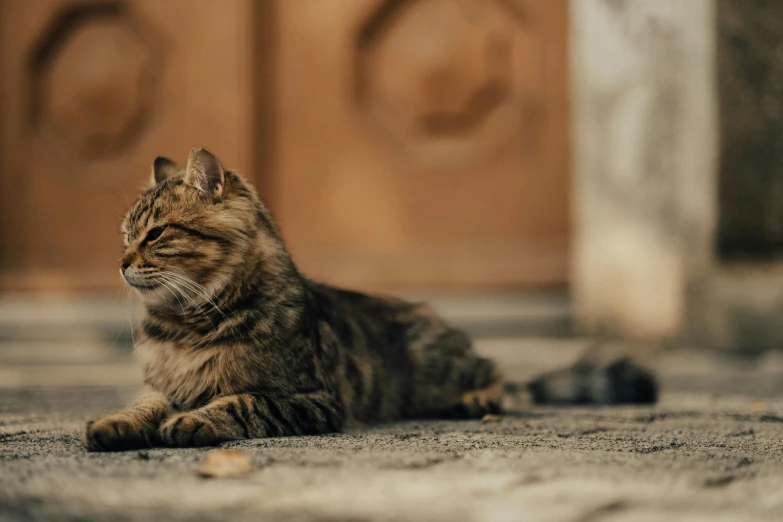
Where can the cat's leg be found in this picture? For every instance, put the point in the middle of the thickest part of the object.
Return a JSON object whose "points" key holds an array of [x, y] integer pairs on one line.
{"points": [[473, 384], [132, 428], [478, 402], [246, 416], [454, 381]]}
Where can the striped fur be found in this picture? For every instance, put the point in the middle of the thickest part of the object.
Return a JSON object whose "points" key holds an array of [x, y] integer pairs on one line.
{"points": [[236, 343], [595, 382]]}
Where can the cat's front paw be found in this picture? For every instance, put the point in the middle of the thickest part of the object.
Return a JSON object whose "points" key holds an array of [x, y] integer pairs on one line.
{"points": [[117, 433], [187, 429]]}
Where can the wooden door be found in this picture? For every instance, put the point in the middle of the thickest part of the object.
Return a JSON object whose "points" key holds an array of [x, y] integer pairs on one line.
{"points": [[90, 93], [423, 143], [402, 143]]}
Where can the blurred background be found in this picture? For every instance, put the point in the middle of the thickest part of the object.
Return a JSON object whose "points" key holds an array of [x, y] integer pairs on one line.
{"points": [[546, 173], [538, 168]]}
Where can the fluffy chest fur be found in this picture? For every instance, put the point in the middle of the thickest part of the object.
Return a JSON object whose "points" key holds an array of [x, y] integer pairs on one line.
{"points": [[190, 377]]}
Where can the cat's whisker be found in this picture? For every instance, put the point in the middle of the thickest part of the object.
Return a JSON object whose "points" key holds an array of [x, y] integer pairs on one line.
{"points": [[194, 283], [129, 315], [198, 289], [201, 291], [226, 320], [174, 290], [162, 284], [198, 308], [196, 286], [175, 283]]}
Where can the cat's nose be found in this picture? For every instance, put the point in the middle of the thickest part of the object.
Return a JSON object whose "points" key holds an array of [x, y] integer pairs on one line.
{"points": [[125, 262]]}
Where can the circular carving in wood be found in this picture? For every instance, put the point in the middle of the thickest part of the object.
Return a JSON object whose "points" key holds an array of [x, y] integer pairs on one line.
{"points": [[94, 74], [448, 80]]}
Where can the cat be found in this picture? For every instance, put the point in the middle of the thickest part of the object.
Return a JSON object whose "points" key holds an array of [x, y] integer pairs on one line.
{"points": [[236, 343]]}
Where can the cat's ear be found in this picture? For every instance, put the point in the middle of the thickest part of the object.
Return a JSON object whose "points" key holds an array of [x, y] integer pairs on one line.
{"points": [[163, 169], [205, 172]]}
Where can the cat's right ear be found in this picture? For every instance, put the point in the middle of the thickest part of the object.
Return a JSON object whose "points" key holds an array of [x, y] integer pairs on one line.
{"points": [[163, 169]]}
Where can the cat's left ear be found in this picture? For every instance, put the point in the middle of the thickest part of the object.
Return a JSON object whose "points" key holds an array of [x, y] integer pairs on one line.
{"points": [[205, 172], [163, 169]]}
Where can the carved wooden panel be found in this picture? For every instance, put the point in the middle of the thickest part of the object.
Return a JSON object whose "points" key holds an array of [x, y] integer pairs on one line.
{"points": [[449, 81], [91, 91], [423, 142], [94, 75]]}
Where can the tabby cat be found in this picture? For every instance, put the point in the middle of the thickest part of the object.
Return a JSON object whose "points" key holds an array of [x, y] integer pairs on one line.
{"points": [[237, 344]]}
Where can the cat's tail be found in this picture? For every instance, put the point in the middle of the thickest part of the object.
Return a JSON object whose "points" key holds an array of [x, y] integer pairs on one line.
{"points": [[590, 382]]}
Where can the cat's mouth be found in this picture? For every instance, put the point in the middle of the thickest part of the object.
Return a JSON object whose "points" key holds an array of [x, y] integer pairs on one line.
{"points": [[143, 286]]}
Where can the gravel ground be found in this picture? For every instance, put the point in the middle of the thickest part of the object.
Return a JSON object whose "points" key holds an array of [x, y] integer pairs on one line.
{"points": [[711, 450]]}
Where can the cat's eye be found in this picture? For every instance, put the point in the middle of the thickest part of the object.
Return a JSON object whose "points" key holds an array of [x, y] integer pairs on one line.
{"points": [[155, 233]]}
